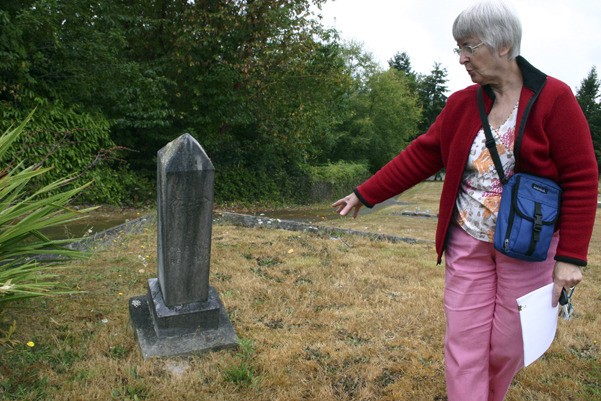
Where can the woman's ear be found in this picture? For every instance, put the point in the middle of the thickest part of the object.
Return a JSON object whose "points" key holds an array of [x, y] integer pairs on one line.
{"points": [[504, 52]]}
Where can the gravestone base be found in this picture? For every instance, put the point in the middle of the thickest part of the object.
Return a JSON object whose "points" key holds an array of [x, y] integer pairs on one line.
{"points": [[181, 319], [182, 341]]}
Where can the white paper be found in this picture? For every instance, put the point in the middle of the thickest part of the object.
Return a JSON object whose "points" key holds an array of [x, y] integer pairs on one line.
{"points": [[539, 322]]}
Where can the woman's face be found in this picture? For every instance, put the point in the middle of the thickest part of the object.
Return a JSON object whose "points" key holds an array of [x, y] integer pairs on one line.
{"points": [[480, 62]]}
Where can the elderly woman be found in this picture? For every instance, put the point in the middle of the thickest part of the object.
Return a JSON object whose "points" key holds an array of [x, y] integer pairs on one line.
{"points": [[483, 346]]}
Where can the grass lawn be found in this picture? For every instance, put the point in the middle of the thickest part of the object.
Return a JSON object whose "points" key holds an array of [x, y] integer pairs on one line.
{"points": [[319, 318]]}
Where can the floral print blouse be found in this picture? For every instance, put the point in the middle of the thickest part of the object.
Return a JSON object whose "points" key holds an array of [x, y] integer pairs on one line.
{"points": [[480, 190]]}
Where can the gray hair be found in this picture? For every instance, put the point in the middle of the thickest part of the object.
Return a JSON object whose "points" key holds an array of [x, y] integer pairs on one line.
{"points": [[494, 22]]}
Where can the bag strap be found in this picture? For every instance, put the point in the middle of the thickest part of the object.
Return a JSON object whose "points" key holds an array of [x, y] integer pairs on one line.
{"points": [[490, 140], [491, 145]]}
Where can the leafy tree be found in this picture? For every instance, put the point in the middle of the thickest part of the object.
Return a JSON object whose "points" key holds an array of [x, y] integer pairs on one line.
{"points": [[58, 61], [360, 64], [260, 83], [385, 117], [589, 99], [431, 89], [257, 85]]}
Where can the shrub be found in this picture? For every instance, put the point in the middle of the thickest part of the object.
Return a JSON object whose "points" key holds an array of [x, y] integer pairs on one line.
{"points": [[23, 216], [335, 180], [69, 141]]}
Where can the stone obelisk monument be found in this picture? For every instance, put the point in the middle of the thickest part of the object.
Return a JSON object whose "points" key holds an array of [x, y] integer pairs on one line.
{"points": [[182, 313]]}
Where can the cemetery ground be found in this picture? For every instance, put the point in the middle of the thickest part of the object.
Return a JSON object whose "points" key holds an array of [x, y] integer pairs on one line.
{"points": [[319, 318]]}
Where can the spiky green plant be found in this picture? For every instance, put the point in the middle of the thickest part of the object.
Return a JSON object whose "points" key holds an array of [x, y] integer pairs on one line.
{"points": [[25, 251]]}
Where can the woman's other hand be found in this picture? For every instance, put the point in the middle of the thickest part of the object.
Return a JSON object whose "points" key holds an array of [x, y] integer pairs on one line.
{"points": [[565, 275]]}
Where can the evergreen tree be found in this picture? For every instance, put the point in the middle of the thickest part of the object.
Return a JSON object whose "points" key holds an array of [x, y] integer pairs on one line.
{"points": [[589, 98], [402, 62], [431, 90]]}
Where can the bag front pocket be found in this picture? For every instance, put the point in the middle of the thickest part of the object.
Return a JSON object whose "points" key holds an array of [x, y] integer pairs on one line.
{"points": [[527, 216]]}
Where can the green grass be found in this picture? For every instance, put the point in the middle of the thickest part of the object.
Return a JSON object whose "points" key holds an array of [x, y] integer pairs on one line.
{"points": [[242, 372]]}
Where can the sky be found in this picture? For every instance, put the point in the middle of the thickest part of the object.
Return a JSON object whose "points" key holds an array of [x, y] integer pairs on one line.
{"points": [[561, 38]]}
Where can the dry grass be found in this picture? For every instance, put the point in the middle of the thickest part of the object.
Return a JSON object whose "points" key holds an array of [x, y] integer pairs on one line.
{"points": [[322, 319]]}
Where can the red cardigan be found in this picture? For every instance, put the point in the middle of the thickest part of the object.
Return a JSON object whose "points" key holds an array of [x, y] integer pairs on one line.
{"points": [[556, 143]]}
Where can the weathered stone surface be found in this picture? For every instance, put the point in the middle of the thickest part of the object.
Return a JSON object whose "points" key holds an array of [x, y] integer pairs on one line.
{"points": [[181, 314], [185, 318], [197, 342], [185, 177], [245, 220]]}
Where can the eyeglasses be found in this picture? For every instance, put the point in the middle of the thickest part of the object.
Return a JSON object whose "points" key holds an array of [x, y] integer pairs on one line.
{"points": [[468, 50]]}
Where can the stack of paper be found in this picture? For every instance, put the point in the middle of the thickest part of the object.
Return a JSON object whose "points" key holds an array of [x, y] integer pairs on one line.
{"points": [[539, 322]]}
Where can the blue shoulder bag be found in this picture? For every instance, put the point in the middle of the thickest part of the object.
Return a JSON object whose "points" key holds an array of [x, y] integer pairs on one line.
{"points": [[529, 204]]}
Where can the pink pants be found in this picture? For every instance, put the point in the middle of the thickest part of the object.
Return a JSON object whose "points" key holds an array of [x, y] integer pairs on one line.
{"points": [[483, 342]]}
